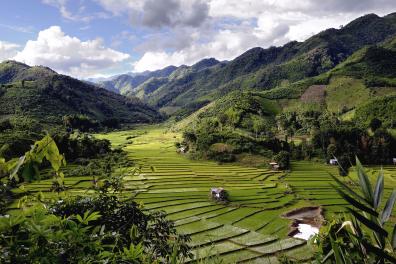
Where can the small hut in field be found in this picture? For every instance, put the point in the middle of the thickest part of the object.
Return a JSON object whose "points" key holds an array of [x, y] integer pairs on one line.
{"points": [[394, 161], [274, 165], [218, 194], [333, 161]]}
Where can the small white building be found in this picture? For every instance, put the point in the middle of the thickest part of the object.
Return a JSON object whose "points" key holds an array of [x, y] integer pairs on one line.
{"points": [[218, 194], [394, 161], [333, 162]]}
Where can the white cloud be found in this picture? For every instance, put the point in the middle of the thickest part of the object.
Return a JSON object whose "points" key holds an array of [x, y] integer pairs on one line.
{"points": [[236, 25], [186, 31], [69, 55], [8, 50], [76, 16], [158, 14], [223, 45]]}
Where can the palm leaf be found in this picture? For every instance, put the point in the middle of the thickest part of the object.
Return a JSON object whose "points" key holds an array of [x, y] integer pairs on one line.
{"points": [[393, 241], [386, 213], [364, 182], [347, 188], [379, 252], [370, 224], [378, 190], [337, 251], [356, 203]]}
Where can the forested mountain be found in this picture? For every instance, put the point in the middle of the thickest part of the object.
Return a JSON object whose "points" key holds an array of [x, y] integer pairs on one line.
{"points": [[365, 81], [336, 107], [127, 83], [44, 95], [265, 69]]}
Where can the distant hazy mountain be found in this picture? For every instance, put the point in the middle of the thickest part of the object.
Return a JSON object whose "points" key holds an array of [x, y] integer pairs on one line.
{"points": [[126, 83]]}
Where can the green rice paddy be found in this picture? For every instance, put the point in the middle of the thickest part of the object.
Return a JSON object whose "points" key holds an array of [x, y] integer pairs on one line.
{"points": [[250, 228]]}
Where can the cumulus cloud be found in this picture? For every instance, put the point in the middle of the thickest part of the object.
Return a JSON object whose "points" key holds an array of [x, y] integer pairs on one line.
{"points": [[237, 25], [8, 50], [223, 45], [69, 55], [179, 32], [157, 14]]}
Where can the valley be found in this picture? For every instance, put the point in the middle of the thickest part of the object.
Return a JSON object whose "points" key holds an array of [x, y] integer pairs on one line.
{"points": [[265, 146], [248, 229]]}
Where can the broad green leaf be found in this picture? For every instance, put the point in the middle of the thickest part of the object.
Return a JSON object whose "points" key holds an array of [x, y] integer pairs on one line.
{"points": [[91, 217], [386, 213], [327, 257], [134, 233], [370, 224], [378, 190], [393, 238], [379, 252], [347, 188], [79, 218], [15, 165], [356, 203], [337, 251], [364, 181]]}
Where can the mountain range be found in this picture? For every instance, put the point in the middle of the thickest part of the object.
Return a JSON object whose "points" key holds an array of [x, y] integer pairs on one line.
{"points": [[184, 89], [338, 70]]}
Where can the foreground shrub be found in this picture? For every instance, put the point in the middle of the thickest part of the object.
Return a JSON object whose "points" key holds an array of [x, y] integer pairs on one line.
{"points": [[361, 236], [116, 232]]}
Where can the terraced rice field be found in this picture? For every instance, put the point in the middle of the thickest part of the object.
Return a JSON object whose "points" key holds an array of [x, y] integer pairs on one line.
{"points": [[247, 230]]}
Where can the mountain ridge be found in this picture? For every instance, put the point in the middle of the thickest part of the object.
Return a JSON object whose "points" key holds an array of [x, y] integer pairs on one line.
{"points": [[265, 69], [43, 94]]}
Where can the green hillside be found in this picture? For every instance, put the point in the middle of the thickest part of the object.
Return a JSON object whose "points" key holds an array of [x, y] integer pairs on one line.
{"points": [[368, 73], [264, 69], [352, 94], [47, 96]]}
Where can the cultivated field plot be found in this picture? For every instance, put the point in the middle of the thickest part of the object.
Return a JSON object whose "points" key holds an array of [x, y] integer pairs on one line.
{"points": [[247, 229], [250, 228]]}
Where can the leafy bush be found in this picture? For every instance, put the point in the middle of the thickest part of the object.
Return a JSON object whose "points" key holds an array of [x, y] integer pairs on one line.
{"points": [[91, 230], [156, 234], [79, 145], [80, 122], [283, 160]]}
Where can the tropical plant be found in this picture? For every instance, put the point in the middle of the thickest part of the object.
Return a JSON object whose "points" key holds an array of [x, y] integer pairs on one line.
{"points": [[27, 168], [360, 237]]}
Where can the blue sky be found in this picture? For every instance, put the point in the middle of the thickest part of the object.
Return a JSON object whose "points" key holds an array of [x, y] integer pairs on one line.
{"points": [[90, 38]]}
